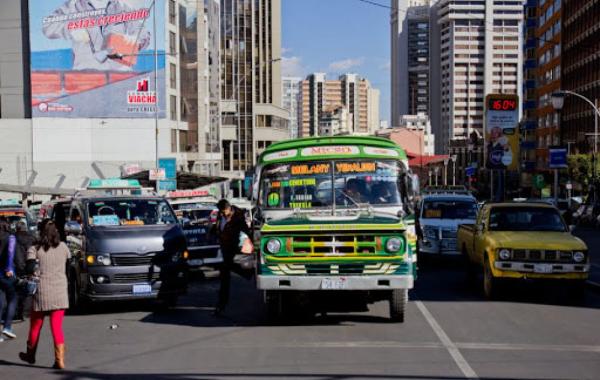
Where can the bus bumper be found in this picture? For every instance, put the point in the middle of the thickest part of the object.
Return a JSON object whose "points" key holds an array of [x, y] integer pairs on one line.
{"points": [[268, 282]]}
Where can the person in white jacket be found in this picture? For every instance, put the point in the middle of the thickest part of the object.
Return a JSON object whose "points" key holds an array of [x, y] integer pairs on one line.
{"points": [[90, 48]]}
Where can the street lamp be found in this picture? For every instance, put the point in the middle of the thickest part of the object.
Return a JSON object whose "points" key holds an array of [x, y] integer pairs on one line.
{"points": [[558, 101], [446, 160]]}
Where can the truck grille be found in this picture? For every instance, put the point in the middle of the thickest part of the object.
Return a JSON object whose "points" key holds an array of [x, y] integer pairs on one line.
{"points": [[334, 245], [448, 233], [335, 269], [541, 255], [133, 260], [131, 278]]}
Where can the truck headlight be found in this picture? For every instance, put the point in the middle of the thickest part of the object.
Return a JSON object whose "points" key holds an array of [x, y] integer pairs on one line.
{"points": [[504, 254], [273, 246], [578, 256], [393, 244]]}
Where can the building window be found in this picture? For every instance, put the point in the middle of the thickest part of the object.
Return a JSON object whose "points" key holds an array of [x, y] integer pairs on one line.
{"points": [[172, 43], [173, 107], [173, 140], [172, 11], [173, 76]]}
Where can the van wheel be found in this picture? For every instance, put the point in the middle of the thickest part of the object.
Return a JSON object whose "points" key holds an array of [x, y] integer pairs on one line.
{"points": [[398, 300], [491, 286], [74, 296]]}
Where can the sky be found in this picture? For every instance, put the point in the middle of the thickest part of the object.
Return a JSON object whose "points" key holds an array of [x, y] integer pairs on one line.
{"points": [[337, 37]]}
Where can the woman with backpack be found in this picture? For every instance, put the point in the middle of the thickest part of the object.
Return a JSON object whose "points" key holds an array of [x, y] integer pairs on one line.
{"points": [[51, 298]]}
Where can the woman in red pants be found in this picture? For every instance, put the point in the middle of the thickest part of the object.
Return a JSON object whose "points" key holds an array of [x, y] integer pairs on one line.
{"points": [[51, 298]]}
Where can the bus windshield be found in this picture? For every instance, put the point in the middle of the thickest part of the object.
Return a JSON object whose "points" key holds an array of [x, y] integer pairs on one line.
{"points": [[130, 212], [308, 185]]}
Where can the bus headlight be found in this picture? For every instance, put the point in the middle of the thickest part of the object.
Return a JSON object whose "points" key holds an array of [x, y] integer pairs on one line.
{"points": [[273, 246], [578, 256], [393, 244]]}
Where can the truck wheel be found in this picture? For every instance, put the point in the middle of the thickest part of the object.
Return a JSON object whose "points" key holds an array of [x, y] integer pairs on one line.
{"points": [[491, 287], [576, 292], [274, 305], [398, 300]]}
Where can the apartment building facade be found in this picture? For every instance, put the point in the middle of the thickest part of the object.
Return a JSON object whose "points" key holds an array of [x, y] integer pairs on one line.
{"points": [[252, 116], [410, 55], [479, 45], [580, 72], [318, 94], [290, 94]]}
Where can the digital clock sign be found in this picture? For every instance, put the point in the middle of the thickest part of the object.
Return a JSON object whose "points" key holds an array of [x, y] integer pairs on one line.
{"points": [[502, 104], [502, 131]]}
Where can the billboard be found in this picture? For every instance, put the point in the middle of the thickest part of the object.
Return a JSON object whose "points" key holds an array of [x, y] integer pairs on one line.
{"points": [[95, 58], [502, 131]]}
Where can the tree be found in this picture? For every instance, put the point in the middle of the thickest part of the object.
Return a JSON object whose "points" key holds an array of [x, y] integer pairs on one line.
{"points": [[580, 168]]}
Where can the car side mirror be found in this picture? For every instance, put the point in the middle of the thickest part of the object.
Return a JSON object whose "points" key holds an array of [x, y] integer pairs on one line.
{"points": [[572, 227], [73, 228]]}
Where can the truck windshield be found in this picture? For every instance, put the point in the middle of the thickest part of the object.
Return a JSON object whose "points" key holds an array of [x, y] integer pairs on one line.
{"points": [[448, 209], [526, 219], [308, 185], [130, 212]]}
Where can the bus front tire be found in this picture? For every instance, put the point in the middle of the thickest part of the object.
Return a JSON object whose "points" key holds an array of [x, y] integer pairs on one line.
{"points": [[398, 300]]}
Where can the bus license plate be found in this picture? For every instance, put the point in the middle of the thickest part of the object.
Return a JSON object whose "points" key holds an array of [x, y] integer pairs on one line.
{"points": [[334, 283], [142, 289], [542, 268]]}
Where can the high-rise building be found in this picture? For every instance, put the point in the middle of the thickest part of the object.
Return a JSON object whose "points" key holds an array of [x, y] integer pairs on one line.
{"points": [[529, 101], [580, 72], [251, 105], [548, 81], [410, 33], [479, 46], [318, 94], [335, 122], [373, 97], [290, 94]]}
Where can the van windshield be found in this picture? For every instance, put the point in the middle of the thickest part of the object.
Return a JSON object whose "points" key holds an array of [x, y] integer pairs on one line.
{"points": [[130, 212]]}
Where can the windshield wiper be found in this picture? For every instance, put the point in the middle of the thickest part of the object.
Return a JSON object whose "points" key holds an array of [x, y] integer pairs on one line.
{"points": [[359, 206]]}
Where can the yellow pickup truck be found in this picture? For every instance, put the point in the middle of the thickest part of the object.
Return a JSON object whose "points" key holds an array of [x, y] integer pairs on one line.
{"points": [[523, 241]]}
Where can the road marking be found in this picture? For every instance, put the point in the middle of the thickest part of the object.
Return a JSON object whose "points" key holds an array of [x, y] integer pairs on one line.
{"points": [[528, 347], [460, 360]]}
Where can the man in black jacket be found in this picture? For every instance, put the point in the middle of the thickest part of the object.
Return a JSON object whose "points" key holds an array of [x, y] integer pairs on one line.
{"points": [[231, 222]]}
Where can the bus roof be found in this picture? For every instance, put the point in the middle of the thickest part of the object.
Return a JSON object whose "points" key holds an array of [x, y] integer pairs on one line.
{"points": [[312, 148]]}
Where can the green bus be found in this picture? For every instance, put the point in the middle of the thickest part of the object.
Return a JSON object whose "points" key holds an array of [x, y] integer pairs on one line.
{"points": [[329, 219]]}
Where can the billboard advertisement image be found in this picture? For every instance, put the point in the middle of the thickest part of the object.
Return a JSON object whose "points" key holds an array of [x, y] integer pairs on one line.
{"points": [[95, 58], [502, 131]]}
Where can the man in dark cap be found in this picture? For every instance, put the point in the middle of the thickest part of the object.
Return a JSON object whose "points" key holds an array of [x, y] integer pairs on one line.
{"points": [[231, 222]]}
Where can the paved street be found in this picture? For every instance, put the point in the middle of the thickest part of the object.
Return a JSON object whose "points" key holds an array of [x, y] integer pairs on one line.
{"points": [[451, 332]]}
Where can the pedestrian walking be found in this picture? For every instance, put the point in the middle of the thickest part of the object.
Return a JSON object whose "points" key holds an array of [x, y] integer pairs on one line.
{"points": [[51, 298], [25, 240], [231, 223], [8, 278]]}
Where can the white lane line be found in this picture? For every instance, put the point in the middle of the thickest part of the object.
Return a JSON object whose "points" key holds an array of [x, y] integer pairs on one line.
{"points": [[528, 347], [460, 360]]}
